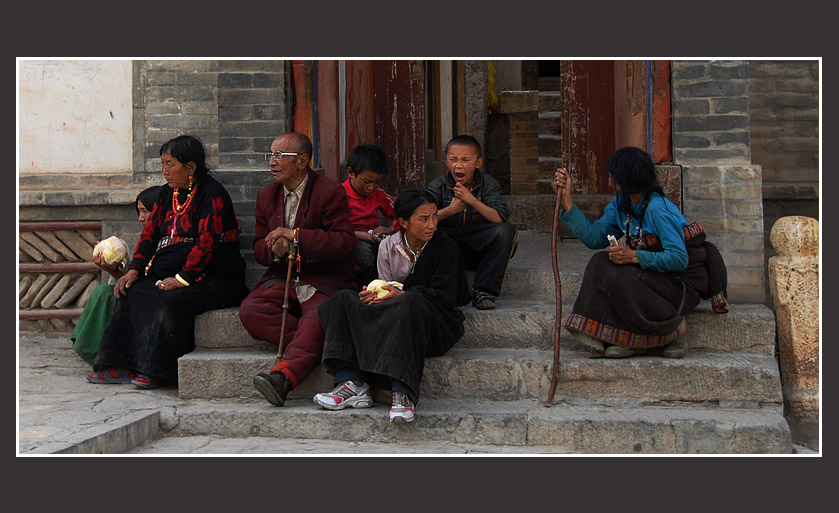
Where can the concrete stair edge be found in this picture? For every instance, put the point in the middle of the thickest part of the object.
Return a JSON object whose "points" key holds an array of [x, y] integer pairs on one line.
{"points": [[519, 323], [516, 374], [580, 429]]}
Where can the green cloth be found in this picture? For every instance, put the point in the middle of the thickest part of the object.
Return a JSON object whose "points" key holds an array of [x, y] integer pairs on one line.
{"points": [[88, 332]]}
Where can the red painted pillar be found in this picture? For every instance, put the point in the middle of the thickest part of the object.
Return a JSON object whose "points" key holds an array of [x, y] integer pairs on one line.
{"points": [[300, 115], [359, 111], [328, 119], [661, 116]]}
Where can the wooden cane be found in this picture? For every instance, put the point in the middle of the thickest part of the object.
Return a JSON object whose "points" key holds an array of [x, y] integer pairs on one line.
{"points": [[292, 251], [558, 288]]}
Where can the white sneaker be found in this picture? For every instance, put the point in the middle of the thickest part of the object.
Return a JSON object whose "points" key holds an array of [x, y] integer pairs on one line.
{"points": [[402, 409], [344, 395]]}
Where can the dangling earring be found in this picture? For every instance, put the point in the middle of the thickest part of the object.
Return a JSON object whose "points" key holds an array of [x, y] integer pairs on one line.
{"points": [[190, 181]]}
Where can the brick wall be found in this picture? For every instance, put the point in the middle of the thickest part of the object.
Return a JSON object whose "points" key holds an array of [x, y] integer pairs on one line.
{"points": [[519, 111], [173, 98], [784, 112], [253, 110], [721, 186], [524, 160], [711, 112], [235, 107]]}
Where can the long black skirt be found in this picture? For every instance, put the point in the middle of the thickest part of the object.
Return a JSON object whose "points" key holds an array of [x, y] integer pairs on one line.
{"points": [[632, 307], [149, 328], [390, 339]]}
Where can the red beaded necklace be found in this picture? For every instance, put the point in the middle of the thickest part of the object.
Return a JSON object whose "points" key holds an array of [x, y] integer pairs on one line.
{"points": [[177, 207]]}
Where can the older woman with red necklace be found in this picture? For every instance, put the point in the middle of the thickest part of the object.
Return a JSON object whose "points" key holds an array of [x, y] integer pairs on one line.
{"points": [[186, 262]]}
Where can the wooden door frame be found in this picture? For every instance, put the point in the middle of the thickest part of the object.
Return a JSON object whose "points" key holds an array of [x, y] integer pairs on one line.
{"points": [[629, 105], [340, 104]]}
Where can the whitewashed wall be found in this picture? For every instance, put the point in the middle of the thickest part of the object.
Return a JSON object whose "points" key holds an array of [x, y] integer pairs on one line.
{"points": [[75, 116]]}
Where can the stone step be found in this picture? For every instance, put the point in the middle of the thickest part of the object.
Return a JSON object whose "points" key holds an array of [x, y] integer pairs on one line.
{"points": [[550, 145], [530, 272], [549, 165], [550, 123], [534, 213], [442, 426], [520, 324], [516, 374], [216, 444], [550, 101]]}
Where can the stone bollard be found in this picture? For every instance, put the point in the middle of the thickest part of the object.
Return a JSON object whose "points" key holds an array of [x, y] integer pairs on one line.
{"points": [[794, 284]]}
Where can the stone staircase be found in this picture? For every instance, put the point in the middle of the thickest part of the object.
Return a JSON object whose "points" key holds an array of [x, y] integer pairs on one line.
{"points": [[488, 393], [550, 138]]}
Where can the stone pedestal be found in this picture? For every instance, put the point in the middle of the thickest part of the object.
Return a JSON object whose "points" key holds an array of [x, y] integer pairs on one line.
{"points": [[794, 284]]}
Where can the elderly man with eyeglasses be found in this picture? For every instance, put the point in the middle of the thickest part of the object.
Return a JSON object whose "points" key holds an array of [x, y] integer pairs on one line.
{"points": [[305, 216]]}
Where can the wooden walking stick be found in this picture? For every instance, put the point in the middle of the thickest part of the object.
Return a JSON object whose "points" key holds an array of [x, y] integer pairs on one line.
{"points": [[558, 287], [293, 255]]}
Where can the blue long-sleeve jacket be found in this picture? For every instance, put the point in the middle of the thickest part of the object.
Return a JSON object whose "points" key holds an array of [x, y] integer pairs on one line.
{"points": [[662, 218]]}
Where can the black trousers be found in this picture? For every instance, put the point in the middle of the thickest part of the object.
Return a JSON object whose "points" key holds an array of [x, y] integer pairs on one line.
{"points": [[364, 257], [486, 248]]}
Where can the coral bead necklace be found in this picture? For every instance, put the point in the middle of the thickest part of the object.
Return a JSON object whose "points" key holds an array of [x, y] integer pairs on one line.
{"points": [[177, 207]]}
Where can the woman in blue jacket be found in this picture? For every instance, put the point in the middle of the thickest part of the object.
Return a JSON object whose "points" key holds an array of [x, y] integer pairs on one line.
{"points": [[635, 296]]}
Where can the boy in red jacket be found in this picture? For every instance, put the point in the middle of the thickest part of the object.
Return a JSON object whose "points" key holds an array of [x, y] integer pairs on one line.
{"points": [[366, 168]]}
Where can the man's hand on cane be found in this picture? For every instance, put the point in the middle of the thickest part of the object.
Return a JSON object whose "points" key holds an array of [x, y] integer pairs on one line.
{"points": [[279, 241]]}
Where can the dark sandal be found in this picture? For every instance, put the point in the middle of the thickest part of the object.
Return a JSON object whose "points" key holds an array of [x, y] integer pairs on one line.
{"points": [[147, 382], [111, 375]]}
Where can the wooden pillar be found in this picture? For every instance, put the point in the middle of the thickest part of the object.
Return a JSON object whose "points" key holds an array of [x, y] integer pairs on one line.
{"points": [[359, 98], [300, 78], [327, 118]]}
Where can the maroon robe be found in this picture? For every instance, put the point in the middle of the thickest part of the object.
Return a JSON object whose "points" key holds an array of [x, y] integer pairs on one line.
{"points": [[326, 241]]}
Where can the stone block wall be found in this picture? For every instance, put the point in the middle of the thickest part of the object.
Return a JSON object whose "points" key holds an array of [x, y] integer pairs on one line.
{"points": [[235, 107], [784, 113], [172, 98], [253, 109], [725, 200], [710, 112], [721, 186]]}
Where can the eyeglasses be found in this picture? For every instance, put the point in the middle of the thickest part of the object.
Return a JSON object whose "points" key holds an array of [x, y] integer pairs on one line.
{"points": [[277, 155]]}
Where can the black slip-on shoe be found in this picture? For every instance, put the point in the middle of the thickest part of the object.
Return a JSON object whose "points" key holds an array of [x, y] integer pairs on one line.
{"points": [[275, 386]]}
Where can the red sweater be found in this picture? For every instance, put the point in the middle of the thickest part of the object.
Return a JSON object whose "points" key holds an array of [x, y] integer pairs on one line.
{"points": [[363, 211]]}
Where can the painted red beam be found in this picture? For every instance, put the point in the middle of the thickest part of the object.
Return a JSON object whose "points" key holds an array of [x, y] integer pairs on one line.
{"points": [[49, 314], [661, 117], [328, 119], [31, 226], [58, 268], [300, 116]]}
